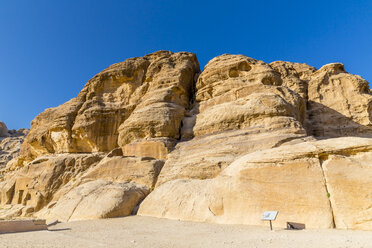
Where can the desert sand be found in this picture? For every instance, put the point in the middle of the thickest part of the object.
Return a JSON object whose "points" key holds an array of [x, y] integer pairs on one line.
{"points": [[137, 231]]}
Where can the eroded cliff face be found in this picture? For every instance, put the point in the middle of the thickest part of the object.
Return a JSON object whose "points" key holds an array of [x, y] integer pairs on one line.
{"points": [[140, 98], [339, 104], [10, 143], [223, 145], [324, 184], [240, 107]]}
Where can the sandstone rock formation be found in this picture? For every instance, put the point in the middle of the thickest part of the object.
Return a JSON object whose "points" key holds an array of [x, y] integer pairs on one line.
{"points": [[340, 104], [58, 184], [295, 76], [154, 126], [223, 145], [3, 129], [95, 200], [10, 143], [240, 107], [127, 98], [324, 184], [141, 170], [37, 183]]}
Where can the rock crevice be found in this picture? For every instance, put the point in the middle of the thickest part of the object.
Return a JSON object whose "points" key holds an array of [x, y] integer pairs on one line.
{"points": [[322, 159]]}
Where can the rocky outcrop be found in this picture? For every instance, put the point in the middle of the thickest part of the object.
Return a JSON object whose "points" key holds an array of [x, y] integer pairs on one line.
{"points": [[235, 92], [295, 76], [141, 170], [223, 145], [37, 183], [3, 129], [323, 183], [126, 98], [53, 182], [10, 143], [206, 157], [340, 104], [240, 107], [114, 109], [154, 126], [96, 200]]}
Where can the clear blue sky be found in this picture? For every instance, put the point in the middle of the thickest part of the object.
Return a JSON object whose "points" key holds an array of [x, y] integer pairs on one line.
{"points": [[49, 49]]}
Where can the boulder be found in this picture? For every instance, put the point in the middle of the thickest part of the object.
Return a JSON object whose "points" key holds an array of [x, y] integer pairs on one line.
{"points": [[96, 200]]}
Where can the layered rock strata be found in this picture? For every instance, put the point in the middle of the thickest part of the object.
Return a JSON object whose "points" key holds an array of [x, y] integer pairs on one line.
{"points": [[240, 107], [140, 101], [223, 145]]}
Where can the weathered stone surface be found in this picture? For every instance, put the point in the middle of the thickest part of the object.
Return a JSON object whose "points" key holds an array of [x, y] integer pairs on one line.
{"points": [[136, 94], [37, 187], [9, 149], [349, 180], [154, 125], [10, 143], [35, 184], [340, 104], [235, 92], [95, 200], [289, 179], [8, 212], [240, 108], [221, 146], [206, 156], [295, 75], [155, 148], [140, 170], [3, 130]]}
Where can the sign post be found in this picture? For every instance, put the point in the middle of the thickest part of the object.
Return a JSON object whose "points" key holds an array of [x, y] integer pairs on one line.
{"points": [[269, 215]]}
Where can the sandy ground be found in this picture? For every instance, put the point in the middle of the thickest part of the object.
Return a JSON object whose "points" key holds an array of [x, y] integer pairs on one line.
{"points": [[136, 231]]}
